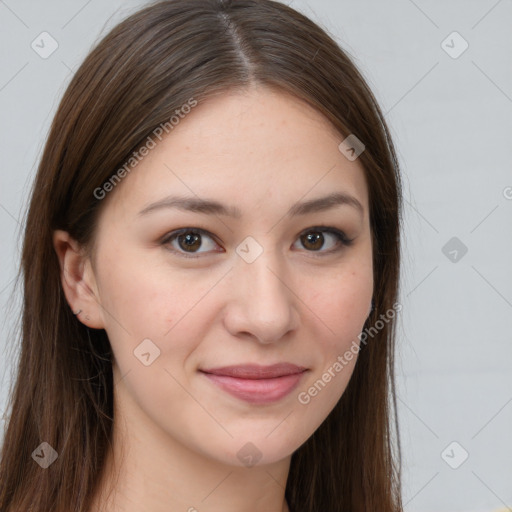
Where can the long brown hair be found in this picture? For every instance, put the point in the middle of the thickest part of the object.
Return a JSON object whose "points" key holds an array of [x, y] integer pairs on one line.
{"points": [[131, 82]]}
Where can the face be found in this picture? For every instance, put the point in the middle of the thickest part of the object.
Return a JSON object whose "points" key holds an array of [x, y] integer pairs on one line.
{"points": [[185, 290]]}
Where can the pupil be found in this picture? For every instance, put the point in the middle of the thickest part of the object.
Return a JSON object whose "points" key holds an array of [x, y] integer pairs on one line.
{"points": [[311, 238], [190, 240]]}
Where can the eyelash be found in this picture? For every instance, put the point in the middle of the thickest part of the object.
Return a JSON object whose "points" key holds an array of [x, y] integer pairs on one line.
{"points": [[340, 235]]}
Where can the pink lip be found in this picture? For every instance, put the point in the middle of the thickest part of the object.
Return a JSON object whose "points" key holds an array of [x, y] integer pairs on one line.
{"points": [[257, 384]]}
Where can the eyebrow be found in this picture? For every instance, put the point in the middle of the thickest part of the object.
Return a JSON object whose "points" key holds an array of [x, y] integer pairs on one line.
{"points": [[210, 206]]}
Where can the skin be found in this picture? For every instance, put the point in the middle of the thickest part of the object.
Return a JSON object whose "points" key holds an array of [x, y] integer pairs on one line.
{"points": [[176, 434]]}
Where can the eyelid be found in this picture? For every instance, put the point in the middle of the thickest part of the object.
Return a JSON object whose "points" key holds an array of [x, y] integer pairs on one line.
{"points": [[343, 240], [166, 239]]}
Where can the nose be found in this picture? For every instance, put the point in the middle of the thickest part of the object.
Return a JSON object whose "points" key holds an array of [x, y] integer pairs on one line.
{"points": [[263, 304]]}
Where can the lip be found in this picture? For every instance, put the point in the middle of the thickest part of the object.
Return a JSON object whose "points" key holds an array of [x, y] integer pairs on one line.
{"points": [[255, 383]]}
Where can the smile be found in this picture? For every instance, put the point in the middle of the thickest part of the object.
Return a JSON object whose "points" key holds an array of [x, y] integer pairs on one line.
{"points": [[257, 384]]}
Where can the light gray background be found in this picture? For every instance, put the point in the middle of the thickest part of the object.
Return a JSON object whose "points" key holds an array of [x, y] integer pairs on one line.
{"points": [[452, 123]]}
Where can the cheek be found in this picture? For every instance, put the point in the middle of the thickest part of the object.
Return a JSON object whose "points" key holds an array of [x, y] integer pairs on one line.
{"points": [[342, 302], [341, 307], [158, 304], [144, 299]]}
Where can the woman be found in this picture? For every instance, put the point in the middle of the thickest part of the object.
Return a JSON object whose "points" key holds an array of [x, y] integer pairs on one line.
{"points": [[210, 266]]}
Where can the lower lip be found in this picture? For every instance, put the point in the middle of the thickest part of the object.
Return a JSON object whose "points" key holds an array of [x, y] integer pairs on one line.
{"points": [[257, 391]]}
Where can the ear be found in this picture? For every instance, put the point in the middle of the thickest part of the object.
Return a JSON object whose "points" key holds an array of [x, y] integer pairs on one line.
{"points": [[78, 280]]}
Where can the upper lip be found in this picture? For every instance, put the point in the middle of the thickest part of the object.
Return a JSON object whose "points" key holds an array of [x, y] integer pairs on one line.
{"points": [[255, 371]]}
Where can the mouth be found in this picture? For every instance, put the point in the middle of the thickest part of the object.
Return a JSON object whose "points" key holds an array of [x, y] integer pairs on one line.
{"points": [[257, 384]]}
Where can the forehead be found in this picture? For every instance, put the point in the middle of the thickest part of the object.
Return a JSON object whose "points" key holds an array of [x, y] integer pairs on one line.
{"points": [[252, 149]]}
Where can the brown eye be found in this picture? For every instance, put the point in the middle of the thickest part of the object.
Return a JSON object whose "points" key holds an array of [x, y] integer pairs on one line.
{"points": [[189, 240], [315, 239]]}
